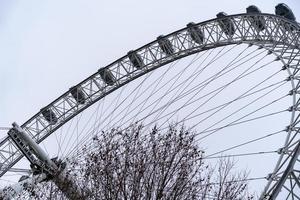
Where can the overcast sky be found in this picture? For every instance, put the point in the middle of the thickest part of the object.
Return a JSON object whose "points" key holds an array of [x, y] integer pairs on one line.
{"points": [[48, 46]]}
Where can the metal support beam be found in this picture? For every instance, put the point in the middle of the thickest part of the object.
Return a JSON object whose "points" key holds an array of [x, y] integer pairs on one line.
{"points": [[296, 179], [47, 169], [34, 148], [287, 172]]}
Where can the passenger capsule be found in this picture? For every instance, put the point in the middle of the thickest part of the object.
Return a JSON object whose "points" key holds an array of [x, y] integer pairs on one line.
{"points": [[49, 115], [226, 24], [78, 94], [135, 59], [107, 76], [258, 22], [165, 45], [284, 11], [196, 34]]}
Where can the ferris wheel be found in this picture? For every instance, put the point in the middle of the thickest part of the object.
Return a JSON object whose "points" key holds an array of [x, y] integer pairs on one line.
{"points": [[235, 76]]}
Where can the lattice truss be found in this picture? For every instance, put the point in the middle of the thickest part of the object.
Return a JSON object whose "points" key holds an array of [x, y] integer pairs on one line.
{"points": [[276, 34]]}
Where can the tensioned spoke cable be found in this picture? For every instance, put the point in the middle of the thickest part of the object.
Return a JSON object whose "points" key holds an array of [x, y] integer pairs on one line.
{"points": [[58, 140], [242, 122], [72, 133], [241, 180], [225, 72], [158, 100], [295, 142], [98, 116], [213, 78], [182, 94], [124, 100], [245, 143], [194, 78], [199, 98], [99, 123], [117, 102], [118, 122], [76, 141], [212, 156], [241, 96], [204, 103], [96, 127], [101, 112], [84, 126], [201, 84], [243, 117], [241, 154], [75, 144], [190, 79], [243, 107], [66, 134], [242, 144], [137, 93], [183, 82], [229, 102], [251, 141], [187, 92], [178, 76], [134, 90]]}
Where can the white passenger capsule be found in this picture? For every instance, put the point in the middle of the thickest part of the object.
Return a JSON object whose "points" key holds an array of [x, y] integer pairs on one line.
{"points": [[78, 94], [195, 32], [226, 24], [258, 22], [284, 11], [49, 115], [107, 76], [135, 59], [165, 45]]}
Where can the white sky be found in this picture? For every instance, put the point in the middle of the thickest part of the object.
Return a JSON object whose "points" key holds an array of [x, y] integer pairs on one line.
{"points": [[48, 46]]}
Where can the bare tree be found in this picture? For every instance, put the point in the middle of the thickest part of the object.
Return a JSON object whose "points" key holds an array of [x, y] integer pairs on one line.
{"points": [[139, 164]]}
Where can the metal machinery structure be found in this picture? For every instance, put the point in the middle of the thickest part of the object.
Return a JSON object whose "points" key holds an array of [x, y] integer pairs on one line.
{"points": [[279, 35]]}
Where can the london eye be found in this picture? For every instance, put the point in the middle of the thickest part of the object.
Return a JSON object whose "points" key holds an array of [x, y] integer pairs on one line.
{"points": [[234, 78]]}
